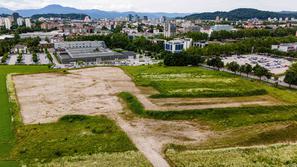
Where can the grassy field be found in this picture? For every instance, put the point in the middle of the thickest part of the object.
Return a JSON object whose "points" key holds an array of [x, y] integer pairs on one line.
{"points": [[220, 118], [73, 140], [275, 155], [71, 136], [199, 82], [6, 126]]}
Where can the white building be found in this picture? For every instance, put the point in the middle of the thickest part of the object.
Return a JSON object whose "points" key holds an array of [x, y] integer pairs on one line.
{"points": [[20, 21], [80, 44], [169, 30], [178, 45], [28, 23], [285, 47], [7, 23], [222, 27]]}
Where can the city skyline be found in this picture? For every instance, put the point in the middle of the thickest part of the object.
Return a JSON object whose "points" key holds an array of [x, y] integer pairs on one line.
{"points": [[187, 6]]}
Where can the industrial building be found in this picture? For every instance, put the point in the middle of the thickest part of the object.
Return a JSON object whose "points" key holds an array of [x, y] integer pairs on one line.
{"points": [[89, 52]]}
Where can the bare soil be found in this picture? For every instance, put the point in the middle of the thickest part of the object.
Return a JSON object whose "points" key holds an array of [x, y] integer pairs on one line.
{"points": [[47, 97]]}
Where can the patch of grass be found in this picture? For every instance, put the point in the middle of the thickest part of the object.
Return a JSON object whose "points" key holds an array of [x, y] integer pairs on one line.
{"points": [[199, 82], [116, 159], [219, 118], [9, 164], [275, 155], [72, 135]]}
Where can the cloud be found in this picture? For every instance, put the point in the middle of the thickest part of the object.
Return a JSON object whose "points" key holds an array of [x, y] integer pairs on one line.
{"points": [[157, 5]]}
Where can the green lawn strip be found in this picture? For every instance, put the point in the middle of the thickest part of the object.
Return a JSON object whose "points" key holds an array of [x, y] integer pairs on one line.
{"points": [[116, 159], [274, 155], [199, 82], [220, 118], [71, 136], [8, 164]]}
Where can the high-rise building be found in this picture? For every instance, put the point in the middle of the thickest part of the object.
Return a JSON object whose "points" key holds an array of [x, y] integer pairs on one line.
{"points": [[162, 19], [28, 23], [130, 17], [20, 21], [7, 23], [169, 30]]}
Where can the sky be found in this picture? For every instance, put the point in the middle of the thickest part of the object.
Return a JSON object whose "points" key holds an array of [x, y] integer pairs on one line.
{"points": [[181, 6]]}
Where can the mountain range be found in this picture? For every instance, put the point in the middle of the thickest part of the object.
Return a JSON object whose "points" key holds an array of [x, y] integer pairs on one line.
{"points": [[94, 13], [242, 14]]}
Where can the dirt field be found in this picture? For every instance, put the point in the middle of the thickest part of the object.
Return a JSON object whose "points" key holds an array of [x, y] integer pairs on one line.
{"points": [[45, 98]]}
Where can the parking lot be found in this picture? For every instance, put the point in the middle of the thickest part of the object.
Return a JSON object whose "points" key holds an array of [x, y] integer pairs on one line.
{"points": [[27, 59], [275, 65]]}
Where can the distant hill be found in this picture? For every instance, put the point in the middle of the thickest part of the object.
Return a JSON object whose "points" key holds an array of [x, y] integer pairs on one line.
{"points": [[63, 16], [242, 14], [5, 11], [94, 13]]}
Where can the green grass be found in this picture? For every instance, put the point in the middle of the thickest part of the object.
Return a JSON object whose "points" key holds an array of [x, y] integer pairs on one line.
{"points": [[219, 118], [275, 155], [199, 82], [116, 159], [6, 125], [72, 135]]}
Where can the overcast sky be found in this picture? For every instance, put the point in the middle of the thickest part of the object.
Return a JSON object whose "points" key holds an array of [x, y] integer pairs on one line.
{"points": [[189, 6]]}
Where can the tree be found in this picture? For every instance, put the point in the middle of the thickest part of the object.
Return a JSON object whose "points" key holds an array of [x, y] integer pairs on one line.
{"points": [[233, 66], [248, 69], [215, 62], [291, 75], [242, 69], [20, 58], [34, 58], [260, 71]]}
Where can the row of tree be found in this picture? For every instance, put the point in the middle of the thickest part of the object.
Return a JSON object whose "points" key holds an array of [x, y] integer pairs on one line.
{"points": [[246, 46], [252, 33], [182, 59], [257, 70]]}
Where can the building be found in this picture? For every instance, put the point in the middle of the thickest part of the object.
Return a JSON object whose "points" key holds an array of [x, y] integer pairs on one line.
{"points": [[169, 30], [7, 23], [200, 44], [178, 45], [90, 52], [87, 19], [222, 27], [41, 35], [20, 21], [19, 49], [285, 47], [28, 23]]}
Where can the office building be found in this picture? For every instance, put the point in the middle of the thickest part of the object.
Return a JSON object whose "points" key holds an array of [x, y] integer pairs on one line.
{"points": [[178, 45]]}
